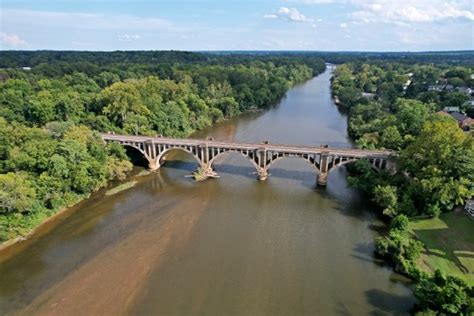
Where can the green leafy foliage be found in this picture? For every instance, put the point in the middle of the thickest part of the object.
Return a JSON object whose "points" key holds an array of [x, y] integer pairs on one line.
{"points": [[45, 170], [440, 165], [16, 193], [444, 295]]}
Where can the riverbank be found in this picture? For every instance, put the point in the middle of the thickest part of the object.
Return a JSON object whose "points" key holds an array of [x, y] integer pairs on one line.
{"points": [[9, 243], [36, 223], [430, 182]]}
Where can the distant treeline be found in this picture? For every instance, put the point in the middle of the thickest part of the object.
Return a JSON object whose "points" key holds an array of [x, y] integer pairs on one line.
{"points": [[66, 62], [15, 59], [444, 57]]}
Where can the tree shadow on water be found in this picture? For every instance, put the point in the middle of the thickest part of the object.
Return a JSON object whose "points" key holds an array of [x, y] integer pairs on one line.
{"points": [[365, 252], [389, 303]]}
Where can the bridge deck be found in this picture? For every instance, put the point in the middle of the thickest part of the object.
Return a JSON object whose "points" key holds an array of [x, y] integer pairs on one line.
{"points": [[296, 149]]}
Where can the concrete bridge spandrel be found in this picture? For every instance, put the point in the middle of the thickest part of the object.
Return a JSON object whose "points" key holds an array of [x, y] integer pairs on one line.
{"points": [[262, 155]]}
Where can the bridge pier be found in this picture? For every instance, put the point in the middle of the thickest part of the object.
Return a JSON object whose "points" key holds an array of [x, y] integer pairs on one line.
{"points": [[323, 169], [391, 166], [154, 165], [262, 174], [204, 172], [323, 179]]}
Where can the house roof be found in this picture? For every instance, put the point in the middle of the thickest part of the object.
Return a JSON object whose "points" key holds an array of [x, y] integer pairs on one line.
{"points": [[458, 116]]}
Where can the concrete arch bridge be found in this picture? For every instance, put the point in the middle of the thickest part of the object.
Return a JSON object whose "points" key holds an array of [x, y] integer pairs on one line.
{"points": [[262, 155]]}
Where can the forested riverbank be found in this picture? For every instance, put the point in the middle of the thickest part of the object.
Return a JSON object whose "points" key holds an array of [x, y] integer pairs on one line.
{"points": [[54, 103], [228, 240], [400, 107]]}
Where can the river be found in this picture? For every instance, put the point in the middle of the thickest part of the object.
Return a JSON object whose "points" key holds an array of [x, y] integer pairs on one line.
{"points": [[227, 246]]}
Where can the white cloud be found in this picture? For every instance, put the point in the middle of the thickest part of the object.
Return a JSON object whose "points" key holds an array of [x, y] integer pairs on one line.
{"points": [[128, 37], [343, 25], [11, 39], [406, 11], [270, 16], [411, 11], [292, 14], [288, 14]]}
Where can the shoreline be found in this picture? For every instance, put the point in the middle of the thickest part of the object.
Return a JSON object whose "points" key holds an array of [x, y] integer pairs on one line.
{"points": [[6, 246], [36, 231]]}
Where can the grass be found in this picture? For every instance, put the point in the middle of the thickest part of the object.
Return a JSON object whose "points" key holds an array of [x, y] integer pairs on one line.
{"points": [[122, 187], [449, 241]]}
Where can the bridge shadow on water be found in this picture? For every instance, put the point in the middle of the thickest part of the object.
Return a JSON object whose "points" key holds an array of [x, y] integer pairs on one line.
{"points": [[348, 202], [245, 171]]}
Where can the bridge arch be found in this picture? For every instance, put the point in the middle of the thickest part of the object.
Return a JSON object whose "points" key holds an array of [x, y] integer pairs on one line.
{"points": [[159, 158], [373, 163], [340, 163], [135, 147], [311, 162], [233, 152], [136, 155]]}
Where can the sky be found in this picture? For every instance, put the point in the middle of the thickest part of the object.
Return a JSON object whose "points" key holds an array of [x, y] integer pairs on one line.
{"points": [[322, 25]]}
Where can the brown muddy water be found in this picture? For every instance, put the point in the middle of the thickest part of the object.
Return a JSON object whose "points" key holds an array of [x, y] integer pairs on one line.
{"points": [[228, 246]]}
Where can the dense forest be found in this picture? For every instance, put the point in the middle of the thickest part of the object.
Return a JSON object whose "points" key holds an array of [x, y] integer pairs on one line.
{"points": [[397, 106], [50, 113], [16, 59]]}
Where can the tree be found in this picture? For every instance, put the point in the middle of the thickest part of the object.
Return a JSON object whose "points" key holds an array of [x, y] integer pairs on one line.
{"points": [[228, 106], [411, 115], [122, 99], [440, 165], [399, 222], [446, 295], [16, 193], [349, 95], [15, 97], [391, 138], [41, 108], [386, 198], [388, 91], [118, 169], [455, 99]]}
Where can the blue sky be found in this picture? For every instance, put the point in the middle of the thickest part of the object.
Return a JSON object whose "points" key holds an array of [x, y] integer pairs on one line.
{"points": [[368, 25]]}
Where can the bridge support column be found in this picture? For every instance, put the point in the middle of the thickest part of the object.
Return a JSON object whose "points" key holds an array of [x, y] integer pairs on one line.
{"points": [[390, 166], [323, 171], [323, 179], [204, 172], [153, 164], [262, 174]]}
